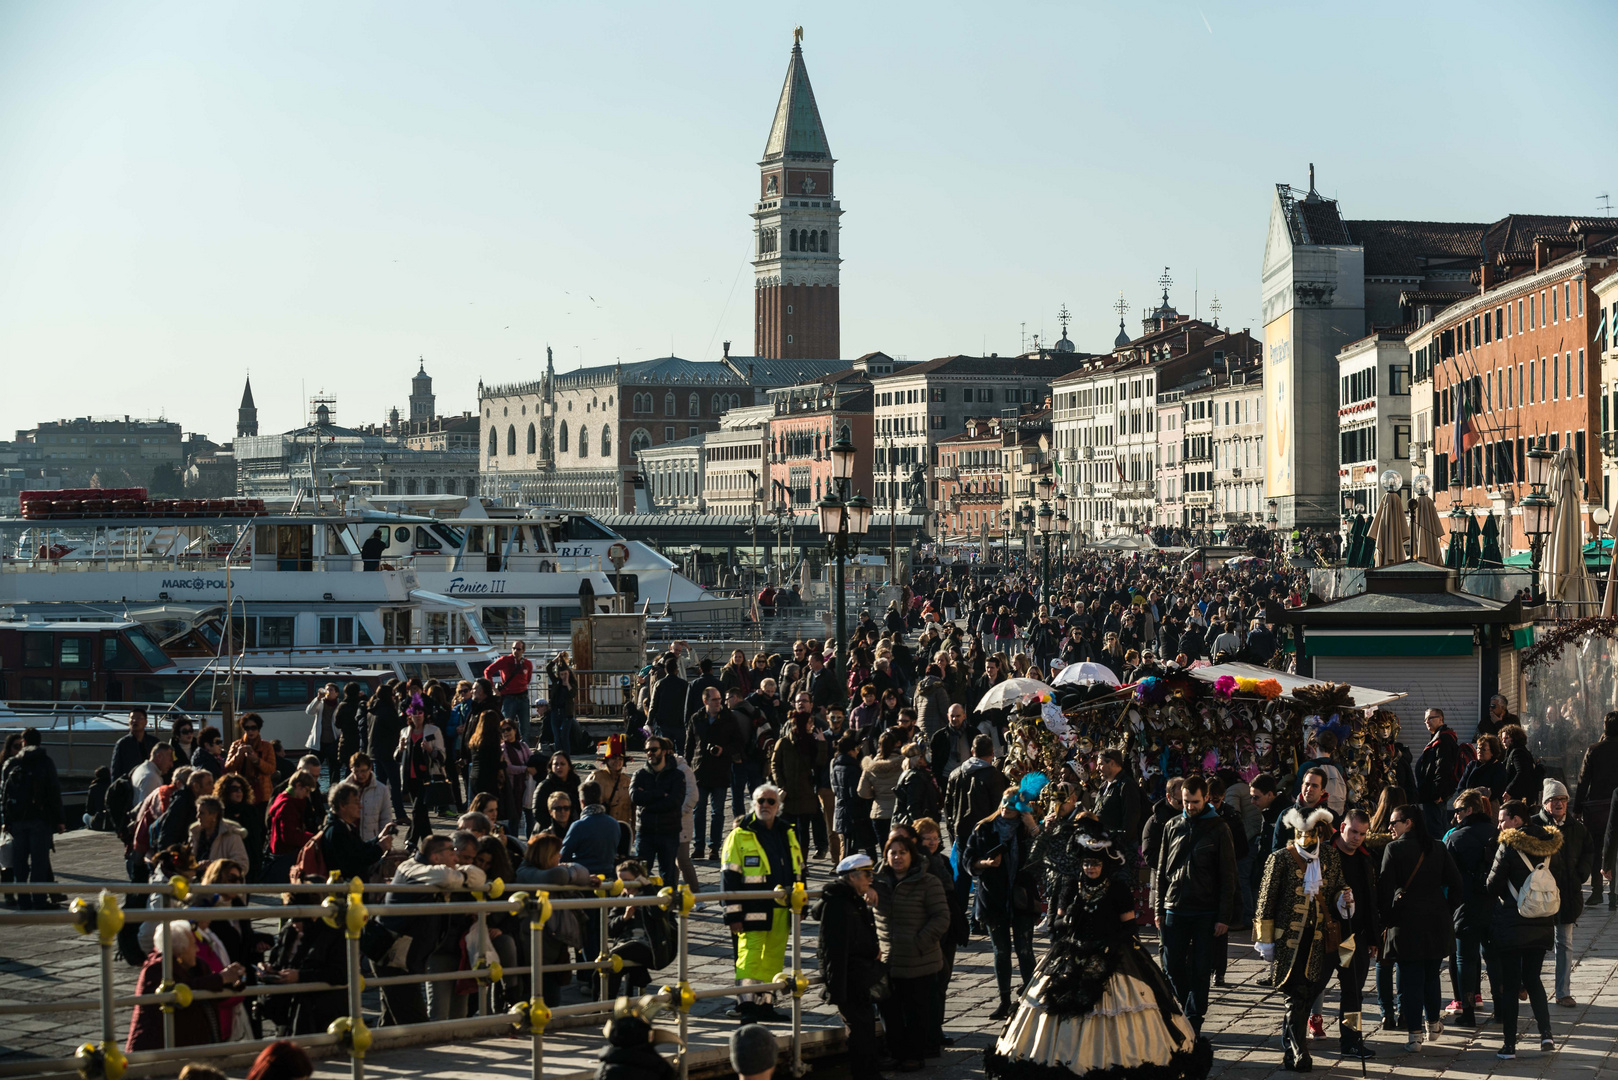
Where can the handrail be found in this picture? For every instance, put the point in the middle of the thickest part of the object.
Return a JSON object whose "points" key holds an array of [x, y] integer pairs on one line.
{"points": [[345, 909]]}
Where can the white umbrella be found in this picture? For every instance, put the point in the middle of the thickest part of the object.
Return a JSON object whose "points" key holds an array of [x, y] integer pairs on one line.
{"points": [[1086, 671], [1389, 531], [1004, 695], [1566, 579]]}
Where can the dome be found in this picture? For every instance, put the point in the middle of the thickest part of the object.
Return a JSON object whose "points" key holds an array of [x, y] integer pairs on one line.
{"points": [[1064, 345], [1123, 336]]}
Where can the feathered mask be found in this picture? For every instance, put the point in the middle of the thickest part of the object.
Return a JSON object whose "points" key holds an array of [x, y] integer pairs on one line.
{"points": [[1307, 830]]}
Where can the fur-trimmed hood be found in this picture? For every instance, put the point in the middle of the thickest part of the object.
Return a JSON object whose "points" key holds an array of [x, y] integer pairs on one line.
{"points": [[1534, 840]]}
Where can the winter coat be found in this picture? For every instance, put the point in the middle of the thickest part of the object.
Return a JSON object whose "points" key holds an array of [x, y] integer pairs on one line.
{"points": [[761, 858], [615, 794], [1438, 768], [592, 841], [1507, 874], [1571, 866], [1424, 928], [256, 765], [932, 703], [849, 949], [948, 749], [912, 917], [1522, 775], [793, 761], [376, 808], [285, 827], [550, 783], [347, 851], [1489, 775], [712, 745], [668, 710], [879, 776], [1598, 775], [1283, 913], [916, 795], [972, 793], [998, 896], [638, 1062], [229, 842], [659, 794], [1196, 867], [196, 1024], [847, 806], [1471, 845], [486, 771]]}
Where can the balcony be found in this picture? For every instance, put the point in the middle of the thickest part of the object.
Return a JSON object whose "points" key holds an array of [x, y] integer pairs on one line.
{"points": [[945, 472]]}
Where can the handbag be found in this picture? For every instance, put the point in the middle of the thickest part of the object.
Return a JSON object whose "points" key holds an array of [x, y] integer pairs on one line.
{"points": [[1397, 905]]}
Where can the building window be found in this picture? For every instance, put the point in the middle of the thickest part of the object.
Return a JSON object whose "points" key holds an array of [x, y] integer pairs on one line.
{"points": [[494, 444], [668, 433], [694, 406], [606, 440], [1399, 379], [532, 438], [561, 438], [584, 441], [511, 440]]}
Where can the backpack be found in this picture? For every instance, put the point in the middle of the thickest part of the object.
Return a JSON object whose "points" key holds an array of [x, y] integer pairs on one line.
{"points": [[119, 805], [1539, 898], [19, 790]]}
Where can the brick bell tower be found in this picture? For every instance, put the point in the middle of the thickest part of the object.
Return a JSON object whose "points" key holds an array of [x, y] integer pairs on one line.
{"points": [[795, 231]]}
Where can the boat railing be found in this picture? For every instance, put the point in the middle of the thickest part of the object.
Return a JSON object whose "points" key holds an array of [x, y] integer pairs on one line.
{"points": [[196, 563]]}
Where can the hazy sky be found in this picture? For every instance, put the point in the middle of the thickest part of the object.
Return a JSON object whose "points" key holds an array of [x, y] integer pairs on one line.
{"points": [[320, 193]]}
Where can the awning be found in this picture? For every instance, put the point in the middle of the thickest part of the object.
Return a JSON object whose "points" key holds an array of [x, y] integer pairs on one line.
{"points": [[1363, 697]]}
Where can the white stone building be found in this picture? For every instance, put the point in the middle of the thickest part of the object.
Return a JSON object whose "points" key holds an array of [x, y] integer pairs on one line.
{"points": [[1374, 416]]}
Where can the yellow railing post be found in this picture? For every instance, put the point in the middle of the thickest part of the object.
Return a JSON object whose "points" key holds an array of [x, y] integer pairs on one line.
{"points": [[799, 896], [532, 1015], [683, 901], [349, 913], [106, 918]]}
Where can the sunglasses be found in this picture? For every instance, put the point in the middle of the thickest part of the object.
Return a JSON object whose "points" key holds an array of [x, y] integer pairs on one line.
{"points": [[766, 802], [251, 727], [1398, 821]]}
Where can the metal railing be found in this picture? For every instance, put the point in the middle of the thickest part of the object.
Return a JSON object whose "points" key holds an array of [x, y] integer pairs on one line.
{"points": [[344, 908]]}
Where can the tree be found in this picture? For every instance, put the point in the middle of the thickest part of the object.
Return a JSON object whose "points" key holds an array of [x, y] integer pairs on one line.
{"points": [[166, 480]]}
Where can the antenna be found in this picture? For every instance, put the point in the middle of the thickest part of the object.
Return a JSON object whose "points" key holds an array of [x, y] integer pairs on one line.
{"points": [[1604, 203], [1023, 347]]}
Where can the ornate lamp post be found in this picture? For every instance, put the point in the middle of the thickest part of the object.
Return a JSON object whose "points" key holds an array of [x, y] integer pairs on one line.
{"points": [[1537, 505], [1270, 523], [1062, 524], [1042, 488], [842, 524]]}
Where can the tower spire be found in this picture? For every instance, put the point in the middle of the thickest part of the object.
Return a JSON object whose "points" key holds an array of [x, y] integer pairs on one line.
{"points": [[795, 228], [247, 414]]}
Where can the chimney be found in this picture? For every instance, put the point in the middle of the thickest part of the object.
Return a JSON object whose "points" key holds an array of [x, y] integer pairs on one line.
{"points": [[1486, 278]]}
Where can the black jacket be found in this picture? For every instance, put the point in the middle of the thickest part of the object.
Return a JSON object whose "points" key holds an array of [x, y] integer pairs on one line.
{"points": [[916, 796], [658, 796], [712, 745], [1196, 868], [999, 896], [1572, 865], [1424, 928], [1489, 775], [1438, 768], [1118, 805], [695, 690], [346, 853], [1359, 874], [639, 1062], [43, 791], [1471, 845], [972, 793], [1238, 832], [1522, 775], [668, 711], [1598, 776], [1507, 873], [849, 956]]}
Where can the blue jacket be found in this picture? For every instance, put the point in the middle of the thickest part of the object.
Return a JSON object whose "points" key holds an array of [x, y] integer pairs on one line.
{"points": [[592, 841]]}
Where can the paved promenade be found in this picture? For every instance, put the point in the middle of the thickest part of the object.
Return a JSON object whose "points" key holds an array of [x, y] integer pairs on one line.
{"points": [[51, 965]]}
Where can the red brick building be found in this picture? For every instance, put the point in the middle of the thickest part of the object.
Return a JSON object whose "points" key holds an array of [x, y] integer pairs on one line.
{"points": [[796, 252], [1515, 361], [972, 479], [808, 419]]}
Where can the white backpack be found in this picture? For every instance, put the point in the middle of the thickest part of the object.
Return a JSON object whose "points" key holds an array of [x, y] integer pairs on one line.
{"points": [[1539, 897]]}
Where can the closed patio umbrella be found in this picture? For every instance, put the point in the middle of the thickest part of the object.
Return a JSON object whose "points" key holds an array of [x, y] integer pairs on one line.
{"points": [[1473, 557], [1389, 531], [1356, 541], [1490, 555], [1566, 579], [1429, 532]]}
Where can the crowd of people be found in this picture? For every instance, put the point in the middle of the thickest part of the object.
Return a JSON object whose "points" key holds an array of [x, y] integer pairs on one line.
{"points": [[885, 767]]}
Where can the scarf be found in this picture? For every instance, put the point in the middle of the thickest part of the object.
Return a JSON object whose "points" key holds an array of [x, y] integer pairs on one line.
{"points": [[1311, 870]]}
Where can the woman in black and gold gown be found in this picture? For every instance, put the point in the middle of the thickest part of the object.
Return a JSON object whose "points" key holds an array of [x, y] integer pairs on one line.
{"points": [[1098, 1003]]}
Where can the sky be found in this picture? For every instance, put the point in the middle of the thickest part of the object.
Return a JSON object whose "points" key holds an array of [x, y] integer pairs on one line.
{"points": [[319, 194]]}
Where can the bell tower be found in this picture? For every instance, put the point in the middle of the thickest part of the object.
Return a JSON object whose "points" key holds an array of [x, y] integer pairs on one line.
{"points": [[796, 253]]}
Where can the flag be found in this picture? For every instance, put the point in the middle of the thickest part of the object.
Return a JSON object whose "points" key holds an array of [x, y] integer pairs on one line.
{"points": [[1465, 431]]}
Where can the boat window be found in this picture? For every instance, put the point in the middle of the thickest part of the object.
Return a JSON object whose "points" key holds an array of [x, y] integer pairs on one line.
{"points": [[294, 546], [39, 650], [446, 672], [336, 630], [426, 541], [437, 628], [504, 620], [340, 541], [281, 692], [582, 528], [147, 648], [474, 538], [157, 688], [76, 652], [452, 536], [628, 584], [402, 535], [35, 688], [275, 631], [244, 631], [364, 634], [74, 690], [211, 632], [475, 634], [396, 626]]}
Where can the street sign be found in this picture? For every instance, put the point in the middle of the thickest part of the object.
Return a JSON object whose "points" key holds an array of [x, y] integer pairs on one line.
{"points": [[618, 554]]}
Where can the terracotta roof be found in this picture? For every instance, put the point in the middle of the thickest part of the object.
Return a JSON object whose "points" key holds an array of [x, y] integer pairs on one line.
{"points": [[1039, 367], [1411, 297]]}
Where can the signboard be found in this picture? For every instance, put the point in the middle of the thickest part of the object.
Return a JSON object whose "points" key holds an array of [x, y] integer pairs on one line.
{"points": [[1279, 380]]}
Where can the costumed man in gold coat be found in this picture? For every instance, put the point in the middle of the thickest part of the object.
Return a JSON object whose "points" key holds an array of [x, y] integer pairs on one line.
{"points": [[1303, 906]]}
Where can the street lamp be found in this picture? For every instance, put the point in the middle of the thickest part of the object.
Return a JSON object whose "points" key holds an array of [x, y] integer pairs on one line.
{"points": [[1537, 504], [842, 524]]}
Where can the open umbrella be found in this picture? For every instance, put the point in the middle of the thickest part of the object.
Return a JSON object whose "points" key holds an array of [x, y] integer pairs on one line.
{"points": [[1566, 579], [1429, 532], [1004, 695], [1473, 556], [1490, 555], [1085, 671], [1388, 530]]}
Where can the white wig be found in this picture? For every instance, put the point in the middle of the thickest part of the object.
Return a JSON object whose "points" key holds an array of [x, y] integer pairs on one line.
{"points": [[780, 796]]}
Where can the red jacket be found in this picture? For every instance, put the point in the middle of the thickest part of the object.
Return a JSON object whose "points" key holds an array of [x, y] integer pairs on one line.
{"points": [[195, 1025], [285, 826], [516, 676]]}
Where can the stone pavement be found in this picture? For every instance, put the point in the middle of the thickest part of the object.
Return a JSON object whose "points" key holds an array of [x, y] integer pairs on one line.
{"points": [[1244, 1024]]}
